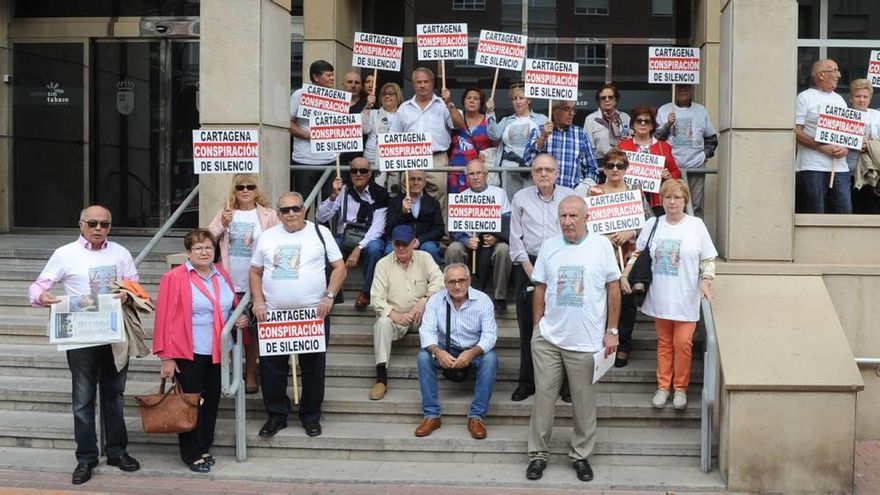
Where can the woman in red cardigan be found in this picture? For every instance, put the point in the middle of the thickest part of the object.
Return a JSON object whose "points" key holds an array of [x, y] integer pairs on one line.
{"points": [[644, 122], [195, 300]]}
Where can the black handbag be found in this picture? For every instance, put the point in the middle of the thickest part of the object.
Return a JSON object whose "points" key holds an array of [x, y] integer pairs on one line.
{"points": [[453, 374], [353, 232], [640, 276]]}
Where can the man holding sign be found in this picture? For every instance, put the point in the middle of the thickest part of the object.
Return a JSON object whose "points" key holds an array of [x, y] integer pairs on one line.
{"points": [[288, 271], [321, 73], [816, 161], [568, 144]]}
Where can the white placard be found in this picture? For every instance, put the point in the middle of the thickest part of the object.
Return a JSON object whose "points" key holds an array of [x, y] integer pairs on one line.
{"points": [[874, 68], [645, 171], [442, 41], [673, 65], [399, 151], [226, 151], [377, 51], [841, 126], [318, 100], [501, 50], [336, 133], [551, 79], [615, 212], [87, 319], [291, 331], [475, 212]]}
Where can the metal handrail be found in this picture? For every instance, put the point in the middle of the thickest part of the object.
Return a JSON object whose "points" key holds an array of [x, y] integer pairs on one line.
{"points": [[166, 226]]}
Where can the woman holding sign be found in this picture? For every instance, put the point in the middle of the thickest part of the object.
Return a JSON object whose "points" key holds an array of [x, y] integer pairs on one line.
{"points": [[682, 269], [860, 93], [195, 300], [607, 126], [469, 142], [513, 132], [644, 122], [379, 121]]}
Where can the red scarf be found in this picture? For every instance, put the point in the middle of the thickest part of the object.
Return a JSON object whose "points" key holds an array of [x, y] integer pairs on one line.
{"points": [[218, 311]]}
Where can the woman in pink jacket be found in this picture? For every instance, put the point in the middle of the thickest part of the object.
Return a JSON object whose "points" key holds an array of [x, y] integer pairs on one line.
{"points": [[195, 300], [236, 227]]}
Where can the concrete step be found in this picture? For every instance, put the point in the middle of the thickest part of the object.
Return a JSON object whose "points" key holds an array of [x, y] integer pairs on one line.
{"points": [[262, 474]]}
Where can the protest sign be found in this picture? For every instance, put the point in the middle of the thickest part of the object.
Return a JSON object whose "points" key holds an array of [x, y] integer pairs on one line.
{"points": [[400, 151], [377, 51], [874, 68], [475, 212], [551, 79], [336, 133], [501, 50], [644, 171], [318, 100], [614, 212], [841, 126], [673, 65], [86, 319], [291, 331], [442, 41], [226, 151]]}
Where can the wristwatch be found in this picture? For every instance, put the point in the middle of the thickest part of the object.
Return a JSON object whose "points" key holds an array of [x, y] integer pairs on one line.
{"points": [[612, 331], [329, 294]]}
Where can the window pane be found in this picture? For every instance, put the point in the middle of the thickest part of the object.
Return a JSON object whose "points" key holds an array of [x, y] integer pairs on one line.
{"points": [[806, 57], [468, 5], [808, 19], [511, 16], [542, 18], [630, 75], [853, 64], [591, 7], [661, 7], [854, 19]]}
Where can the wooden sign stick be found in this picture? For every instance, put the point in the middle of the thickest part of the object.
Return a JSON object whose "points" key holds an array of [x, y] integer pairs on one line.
{"points": [[295, 391], [494, 83]]}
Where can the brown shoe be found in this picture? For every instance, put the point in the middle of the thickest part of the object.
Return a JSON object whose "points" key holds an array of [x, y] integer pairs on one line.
{"points": [[427, 426], [363, 300], [378, 391], [477, 428]]}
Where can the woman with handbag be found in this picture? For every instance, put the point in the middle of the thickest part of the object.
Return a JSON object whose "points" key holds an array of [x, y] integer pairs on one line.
{"points": [[682, 270], [236, 227], [195, 300]]}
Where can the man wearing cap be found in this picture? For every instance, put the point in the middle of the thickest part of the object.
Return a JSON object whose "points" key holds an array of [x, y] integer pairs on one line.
{"points": [[402, 284]]}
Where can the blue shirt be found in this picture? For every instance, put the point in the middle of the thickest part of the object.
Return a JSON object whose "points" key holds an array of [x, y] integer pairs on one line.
{"points": [[574, 156], [472, 324], [203, 310]]}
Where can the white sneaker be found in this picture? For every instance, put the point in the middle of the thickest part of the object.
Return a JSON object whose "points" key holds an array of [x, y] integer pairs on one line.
{"points": [[680, 399], [660, 398]]}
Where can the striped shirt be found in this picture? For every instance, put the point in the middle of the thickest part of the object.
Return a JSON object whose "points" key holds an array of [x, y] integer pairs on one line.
{"points": [[472, 324], [574, 155]]}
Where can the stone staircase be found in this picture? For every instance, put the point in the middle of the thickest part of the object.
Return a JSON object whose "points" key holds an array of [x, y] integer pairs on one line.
{"points": [[638, 446]]}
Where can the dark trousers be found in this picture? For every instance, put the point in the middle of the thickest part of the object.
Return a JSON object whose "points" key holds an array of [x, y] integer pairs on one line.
{"points": [[91, 367], [525, 320], [200, 376], [626, 322], [273, 380]]}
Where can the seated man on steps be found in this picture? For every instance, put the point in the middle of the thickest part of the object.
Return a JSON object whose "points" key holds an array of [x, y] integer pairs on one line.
{"points": [[403, 282], [458, 332], [421, 212]]}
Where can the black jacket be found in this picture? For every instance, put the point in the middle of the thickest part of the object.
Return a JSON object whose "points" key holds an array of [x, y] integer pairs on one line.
{"points": [[428, 226]]}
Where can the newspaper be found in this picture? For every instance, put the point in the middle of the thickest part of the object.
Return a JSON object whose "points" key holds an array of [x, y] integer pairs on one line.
{"points": [[89, 319]]}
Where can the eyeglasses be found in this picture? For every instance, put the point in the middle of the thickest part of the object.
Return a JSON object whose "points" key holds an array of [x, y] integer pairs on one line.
{"points": [[566, 109], [542, 170], [643, 121], [357, 171], [617, 165], [242, 187], [836, 71], [290, 209], [93, 224], [607, 97], [389, 93], [202, 249], [457, 281]]}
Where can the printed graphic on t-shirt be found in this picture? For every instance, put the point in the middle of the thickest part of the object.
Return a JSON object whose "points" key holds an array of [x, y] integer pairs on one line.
{"points": [[286, 262], [683, 132], [667, 259], [241, 239], [100, 278], [570, 286], [518, 134]]}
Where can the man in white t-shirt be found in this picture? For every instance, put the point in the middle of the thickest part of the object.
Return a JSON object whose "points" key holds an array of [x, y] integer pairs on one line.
{"points": [[321, 73], [89, 266], [288, 271], [687, 128], [577, 305], [815, 161]]}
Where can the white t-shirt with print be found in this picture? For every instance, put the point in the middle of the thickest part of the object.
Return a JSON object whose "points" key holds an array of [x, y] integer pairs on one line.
{"points": [[576, 300], [516, 136], [293, 265], [692, 126], [243, 232], [810, 103], [676, 251], [85, 271]]}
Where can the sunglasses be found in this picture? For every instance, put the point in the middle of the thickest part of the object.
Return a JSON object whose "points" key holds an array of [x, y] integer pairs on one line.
{"points": [[288, 209], [644, 121], [242, 187], [611, 97], [357, 171], [617, 165], [93, 224]]}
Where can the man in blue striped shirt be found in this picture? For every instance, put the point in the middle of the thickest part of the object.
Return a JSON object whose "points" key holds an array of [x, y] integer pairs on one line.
{"points": [[458, 332], [569, 146]]}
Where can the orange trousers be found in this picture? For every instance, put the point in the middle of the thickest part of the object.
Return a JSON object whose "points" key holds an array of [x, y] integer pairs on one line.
{"points": [[675, 341]]}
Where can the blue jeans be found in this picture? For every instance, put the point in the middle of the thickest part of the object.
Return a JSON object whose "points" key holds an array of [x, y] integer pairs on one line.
{"points": [[430, 247], [485, 365], [369, 257], [91, 367], [813, 193]]}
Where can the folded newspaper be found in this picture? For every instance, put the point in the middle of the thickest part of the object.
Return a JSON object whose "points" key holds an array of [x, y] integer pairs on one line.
{"points": [[86, 320]]}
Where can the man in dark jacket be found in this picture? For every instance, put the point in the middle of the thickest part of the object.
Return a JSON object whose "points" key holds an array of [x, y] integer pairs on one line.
{"points": [[421, 212]]}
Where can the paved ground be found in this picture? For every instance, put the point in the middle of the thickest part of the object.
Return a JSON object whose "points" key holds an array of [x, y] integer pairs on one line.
{"points": [[868, 467]]}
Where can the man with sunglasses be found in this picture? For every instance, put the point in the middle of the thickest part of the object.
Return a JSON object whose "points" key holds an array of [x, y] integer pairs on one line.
{"points": [[359, 208], [568, 145], [288, 271], [87, 266]]}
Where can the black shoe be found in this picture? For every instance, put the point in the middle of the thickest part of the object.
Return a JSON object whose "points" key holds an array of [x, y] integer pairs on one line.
{"points": [[272, 426], [621, 362], [500, 305], [83, 472], [536, 469], [584, 471], [200, 466], [521, 393], [313, 429], [124, 462], [209, 459], [565, 395]]}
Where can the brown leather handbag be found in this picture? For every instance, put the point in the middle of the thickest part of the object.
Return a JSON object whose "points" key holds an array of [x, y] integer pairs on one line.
{"points": [[169, 412]]}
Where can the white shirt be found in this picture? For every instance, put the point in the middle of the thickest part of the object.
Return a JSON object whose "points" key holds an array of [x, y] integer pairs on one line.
{"points": [[293, 265], [88, 271], [576, 299], [244, 230], [434, 119], [302, 148], [809, 104], [692, 125], [515, 138], [377, 122]]}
